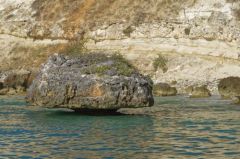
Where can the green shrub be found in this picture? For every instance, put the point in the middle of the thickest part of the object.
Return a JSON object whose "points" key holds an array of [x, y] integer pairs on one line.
{"points": [[98, 63], [123, 69], [101, 69], [122, 65], [160, 62], [187, 31], [75, 48], [94, 69], [128, 31]]}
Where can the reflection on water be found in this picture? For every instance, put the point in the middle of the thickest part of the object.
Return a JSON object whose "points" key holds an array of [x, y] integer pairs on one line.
{"points": [[185, 128]]}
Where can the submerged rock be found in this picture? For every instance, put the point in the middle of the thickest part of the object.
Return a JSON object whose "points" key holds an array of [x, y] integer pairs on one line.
{"points": [[198, 92], [164, 89], [140, 111], [91, 81], [230, 88]]}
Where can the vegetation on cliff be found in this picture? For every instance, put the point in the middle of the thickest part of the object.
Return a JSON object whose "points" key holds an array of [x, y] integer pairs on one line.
{"points": [[160, 62], [80, 16]]}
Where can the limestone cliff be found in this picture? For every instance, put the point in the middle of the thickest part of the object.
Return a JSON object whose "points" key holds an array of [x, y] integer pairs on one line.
{"points": [[199, 39]]}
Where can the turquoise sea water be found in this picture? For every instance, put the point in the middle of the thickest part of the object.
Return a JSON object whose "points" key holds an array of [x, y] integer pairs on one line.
{"points": [[186, 128]]}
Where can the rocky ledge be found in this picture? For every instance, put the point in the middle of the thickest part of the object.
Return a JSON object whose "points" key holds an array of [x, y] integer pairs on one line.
{"points": [[14, 82], [229, 88], [89, 82], [198, 91], [164, 89]]}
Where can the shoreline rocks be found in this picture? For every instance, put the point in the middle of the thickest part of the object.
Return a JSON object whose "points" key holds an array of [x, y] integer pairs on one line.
{"points": [[90, 81], [14, 82], [229, 88], [164, 89], [198, 92]]}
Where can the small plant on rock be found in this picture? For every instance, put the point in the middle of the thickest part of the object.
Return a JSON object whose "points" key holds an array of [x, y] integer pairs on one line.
{"points": [[128, 31], [122, 65], [102, 64], [160, 62], [75, 48]]}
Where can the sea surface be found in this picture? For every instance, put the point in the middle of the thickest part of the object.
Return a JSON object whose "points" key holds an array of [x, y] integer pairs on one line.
{"points": [[185, 128]]}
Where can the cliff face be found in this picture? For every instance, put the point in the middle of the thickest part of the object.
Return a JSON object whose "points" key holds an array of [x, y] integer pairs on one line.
{"points": [[199, 39]]}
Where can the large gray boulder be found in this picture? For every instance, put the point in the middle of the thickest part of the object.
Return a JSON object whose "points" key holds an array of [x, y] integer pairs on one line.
{"points": [[91, 81]]}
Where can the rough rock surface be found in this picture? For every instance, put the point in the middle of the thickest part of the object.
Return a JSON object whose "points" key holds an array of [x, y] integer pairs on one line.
{"points": [[14, 82], [229, 87], [93, 81], [164, 89], [198, 92]]}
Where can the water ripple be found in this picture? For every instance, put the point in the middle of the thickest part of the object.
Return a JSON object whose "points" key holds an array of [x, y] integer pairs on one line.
{"points": [[185, 128]]}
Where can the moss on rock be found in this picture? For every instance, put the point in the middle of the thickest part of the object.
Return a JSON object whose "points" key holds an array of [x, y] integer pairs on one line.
{"points": [[199, 92], [160, 62], [164, 89], [102, 64], [229, 87]]}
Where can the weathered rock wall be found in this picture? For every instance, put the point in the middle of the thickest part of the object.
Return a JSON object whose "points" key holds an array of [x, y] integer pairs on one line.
{"points": [[199, 38]]}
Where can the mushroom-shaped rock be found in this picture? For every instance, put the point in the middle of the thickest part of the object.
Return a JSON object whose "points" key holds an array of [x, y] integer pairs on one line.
{"points": [[90, 81]]}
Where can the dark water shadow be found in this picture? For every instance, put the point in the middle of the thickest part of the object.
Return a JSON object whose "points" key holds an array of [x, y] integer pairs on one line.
{"points": [[97, 112], [79, 112]]}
